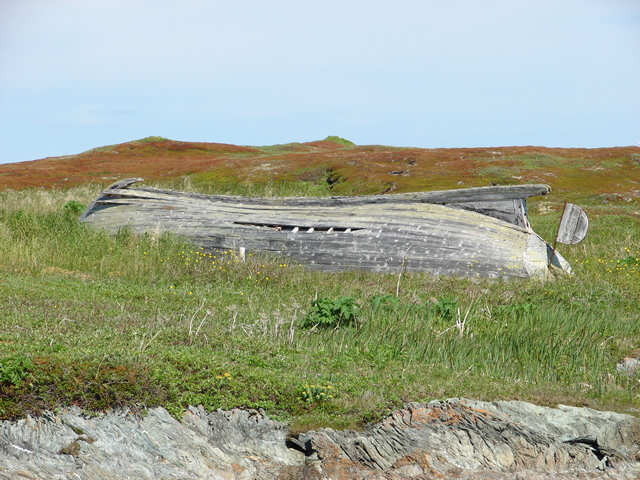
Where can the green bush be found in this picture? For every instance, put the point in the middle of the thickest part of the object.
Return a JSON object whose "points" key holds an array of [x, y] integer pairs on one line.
{"points": [[312, 394], [73, 207], [327, 313], [14, 369]]}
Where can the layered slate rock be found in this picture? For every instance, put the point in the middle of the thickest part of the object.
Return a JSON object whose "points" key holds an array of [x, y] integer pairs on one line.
{"points": [[451, 439], [237, 444], [467, 439]]}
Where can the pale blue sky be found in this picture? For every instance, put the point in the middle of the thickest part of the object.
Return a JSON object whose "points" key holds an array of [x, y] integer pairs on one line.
{"points": [[77, 74]]}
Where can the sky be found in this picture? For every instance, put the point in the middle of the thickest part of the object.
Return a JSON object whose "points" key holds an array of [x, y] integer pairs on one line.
{"points": [[79, 74]]}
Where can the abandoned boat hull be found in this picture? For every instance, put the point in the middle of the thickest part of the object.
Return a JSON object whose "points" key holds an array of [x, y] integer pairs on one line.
{"points": [[338, 234]]}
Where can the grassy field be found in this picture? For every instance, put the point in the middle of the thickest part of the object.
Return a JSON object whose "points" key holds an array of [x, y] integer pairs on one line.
{"points": [[139, 321]]}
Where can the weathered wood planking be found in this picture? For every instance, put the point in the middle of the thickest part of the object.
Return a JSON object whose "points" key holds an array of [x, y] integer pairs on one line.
{"points": [[473, 232], [573, 225]]}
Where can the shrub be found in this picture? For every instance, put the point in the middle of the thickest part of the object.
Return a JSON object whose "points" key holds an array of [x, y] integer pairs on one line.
{"points": [[312, 394], [14, 369], [327, 313], [73, 207]]}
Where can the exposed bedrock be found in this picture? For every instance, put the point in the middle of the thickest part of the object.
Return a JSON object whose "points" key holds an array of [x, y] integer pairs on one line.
{"points": [[451, 439]]}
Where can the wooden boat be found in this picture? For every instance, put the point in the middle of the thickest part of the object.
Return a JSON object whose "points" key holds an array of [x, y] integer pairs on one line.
{"points": [[474, 232]]}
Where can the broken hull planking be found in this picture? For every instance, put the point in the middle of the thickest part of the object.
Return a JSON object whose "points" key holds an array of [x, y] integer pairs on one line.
{"points": [[326, 235]]}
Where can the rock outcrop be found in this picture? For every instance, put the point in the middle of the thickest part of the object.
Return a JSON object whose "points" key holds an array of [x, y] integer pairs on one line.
{"points": [[467, 439], [451, 439]]}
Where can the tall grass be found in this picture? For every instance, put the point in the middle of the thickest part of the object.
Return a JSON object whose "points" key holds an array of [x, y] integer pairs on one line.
{"points": [[203, 183], [100, 321], [40, 201]]}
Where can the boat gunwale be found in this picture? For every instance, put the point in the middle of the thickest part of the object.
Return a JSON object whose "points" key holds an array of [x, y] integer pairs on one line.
{"points": [[443, 197]]}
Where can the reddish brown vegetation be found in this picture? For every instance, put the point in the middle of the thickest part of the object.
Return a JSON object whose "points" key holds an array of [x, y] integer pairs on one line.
{"points": [[350, 169]]}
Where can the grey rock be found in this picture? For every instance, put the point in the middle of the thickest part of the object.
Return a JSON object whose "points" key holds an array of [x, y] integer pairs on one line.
{"points": [[450, 439], [117, 445], [629, 365], [464, 439]]}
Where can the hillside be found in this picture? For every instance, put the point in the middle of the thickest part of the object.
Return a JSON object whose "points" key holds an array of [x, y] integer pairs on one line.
{"points": [[127, 321], [593, 175]]}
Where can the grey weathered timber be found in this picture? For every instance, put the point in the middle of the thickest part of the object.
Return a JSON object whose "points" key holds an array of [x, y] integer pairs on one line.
{"points": [[475, 232], [573, 225]]}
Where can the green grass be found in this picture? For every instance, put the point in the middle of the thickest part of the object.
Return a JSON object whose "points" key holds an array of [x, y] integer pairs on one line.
{"points": [[104, 321], [150, 139], [340, 141], [499, 175], [283, 148], [211, 183]]}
